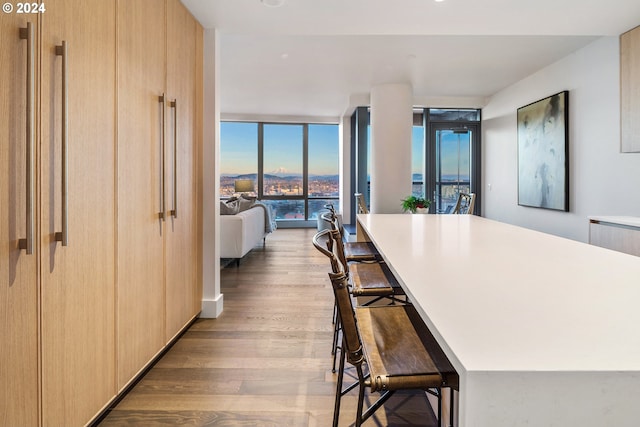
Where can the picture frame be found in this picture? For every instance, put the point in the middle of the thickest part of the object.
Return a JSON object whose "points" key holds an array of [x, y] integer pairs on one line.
{"points": [[543, 153]]}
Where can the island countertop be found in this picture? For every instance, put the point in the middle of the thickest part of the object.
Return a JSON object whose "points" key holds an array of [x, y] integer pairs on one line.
{"points": [[542, 330]]}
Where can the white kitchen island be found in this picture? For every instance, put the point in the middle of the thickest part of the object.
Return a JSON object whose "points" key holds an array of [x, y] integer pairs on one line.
{"points": [[543, 331]]}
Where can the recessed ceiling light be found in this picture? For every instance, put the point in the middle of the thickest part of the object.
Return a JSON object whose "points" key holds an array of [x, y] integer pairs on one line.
{"points": [[272, 3], [439, 1]]}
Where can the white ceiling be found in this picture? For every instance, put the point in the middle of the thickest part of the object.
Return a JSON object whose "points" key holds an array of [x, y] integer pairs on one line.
{"points": [[318, 57]]}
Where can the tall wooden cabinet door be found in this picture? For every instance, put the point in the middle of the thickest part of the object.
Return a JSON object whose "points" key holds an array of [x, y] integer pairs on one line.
{"points": [[141, 114], [181, 255], [18, 270], [78, 210]]}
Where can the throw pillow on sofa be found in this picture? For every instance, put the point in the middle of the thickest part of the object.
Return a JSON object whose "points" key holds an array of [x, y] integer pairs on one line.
{"points": [[245, 202], [229, 207]]}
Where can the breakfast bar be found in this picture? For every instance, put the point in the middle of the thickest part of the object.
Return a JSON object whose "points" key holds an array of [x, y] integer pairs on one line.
{"points": [[542, 330]]}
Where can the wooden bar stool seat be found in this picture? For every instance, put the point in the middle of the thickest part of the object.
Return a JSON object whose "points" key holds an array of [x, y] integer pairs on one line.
{"points": [[360, 251], [395, 360], [373, 280], [367, 279]]}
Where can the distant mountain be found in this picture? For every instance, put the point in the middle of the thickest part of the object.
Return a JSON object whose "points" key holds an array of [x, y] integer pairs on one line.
{"points": [[291, 176], [280, 171], [285, 178]]}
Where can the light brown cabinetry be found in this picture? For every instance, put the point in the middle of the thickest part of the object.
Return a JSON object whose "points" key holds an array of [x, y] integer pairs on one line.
{"points": [[181, 259], [67, 284], [19, 285], [90, 157], [141, 140], [78, 205], [630, 90], [157, 251]]}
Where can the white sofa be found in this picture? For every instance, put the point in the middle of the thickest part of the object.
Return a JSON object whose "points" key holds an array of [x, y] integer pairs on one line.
{"points": [[241, 232]]}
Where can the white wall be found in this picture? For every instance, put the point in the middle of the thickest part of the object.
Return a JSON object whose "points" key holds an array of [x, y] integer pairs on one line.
{"points": [[212, 299], [602, 181]]}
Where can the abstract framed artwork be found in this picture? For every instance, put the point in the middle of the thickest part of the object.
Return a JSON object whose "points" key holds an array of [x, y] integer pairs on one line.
{"points": [[543, 153]]}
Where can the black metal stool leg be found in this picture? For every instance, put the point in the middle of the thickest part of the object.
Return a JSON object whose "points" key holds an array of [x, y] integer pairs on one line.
{"points": [[360, 396], [439, 407], [336, 337], [336, 407]]}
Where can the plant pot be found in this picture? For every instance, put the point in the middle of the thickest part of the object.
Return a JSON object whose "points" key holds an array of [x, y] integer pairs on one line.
{"points": [[422, 210]]}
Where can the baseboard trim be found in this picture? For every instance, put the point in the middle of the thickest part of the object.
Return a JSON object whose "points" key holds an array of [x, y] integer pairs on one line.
{"points": [[212, 308]]}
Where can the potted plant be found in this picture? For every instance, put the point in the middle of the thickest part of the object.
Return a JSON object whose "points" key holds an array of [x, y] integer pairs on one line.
{"points": [[415, 204]]}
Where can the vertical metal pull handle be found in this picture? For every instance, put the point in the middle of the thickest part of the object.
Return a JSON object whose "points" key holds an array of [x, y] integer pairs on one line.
{"points": [[162, 214], [63, 236], [27, 243], [174, 105]]}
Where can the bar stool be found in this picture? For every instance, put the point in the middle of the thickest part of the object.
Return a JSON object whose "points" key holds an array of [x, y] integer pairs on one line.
{"points": [[395, 361], [373, 280], [368, 279]]}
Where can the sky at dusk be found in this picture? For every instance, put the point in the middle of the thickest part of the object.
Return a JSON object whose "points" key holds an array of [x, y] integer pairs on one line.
{"points": [[283, 149]]}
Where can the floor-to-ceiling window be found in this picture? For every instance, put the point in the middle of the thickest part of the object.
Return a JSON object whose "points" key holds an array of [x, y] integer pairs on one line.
{"points": [[283, 170], [417, 160], [238, 155], [294, 167], [445, 155], [323, 167]]}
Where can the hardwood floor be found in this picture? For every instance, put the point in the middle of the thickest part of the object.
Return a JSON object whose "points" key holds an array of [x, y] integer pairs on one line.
{"points": [[266, 360]]}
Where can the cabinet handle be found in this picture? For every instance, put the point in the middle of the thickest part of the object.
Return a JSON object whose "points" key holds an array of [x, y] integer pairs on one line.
{"points": [[174, 105], [63, 236], [163, 212], [27, 243]]}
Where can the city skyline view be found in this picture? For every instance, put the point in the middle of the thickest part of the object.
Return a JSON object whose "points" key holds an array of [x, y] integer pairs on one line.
{"points": [[283, 163]]}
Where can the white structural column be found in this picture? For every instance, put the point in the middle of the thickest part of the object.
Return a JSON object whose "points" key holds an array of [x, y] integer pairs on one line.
{"points": [[391, 128]]}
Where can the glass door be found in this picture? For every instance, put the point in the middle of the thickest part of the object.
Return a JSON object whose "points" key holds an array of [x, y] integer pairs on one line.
{"points": [[453, 169], [455, 163]]}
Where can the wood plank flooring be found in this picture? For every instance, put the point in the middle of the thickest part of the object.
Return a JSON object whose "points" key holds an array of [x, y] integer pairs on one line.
{"points": [[266, 360]]}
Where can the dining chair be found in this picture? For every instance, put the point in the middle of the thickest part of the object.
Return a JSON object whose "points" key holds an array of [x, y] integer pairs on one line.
{"points": [[391, 349], [465, 204], [360, 203]]}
